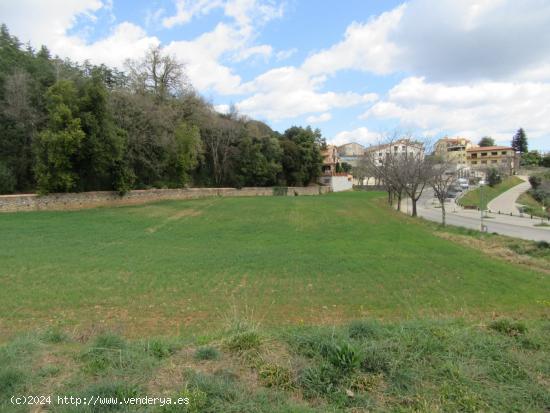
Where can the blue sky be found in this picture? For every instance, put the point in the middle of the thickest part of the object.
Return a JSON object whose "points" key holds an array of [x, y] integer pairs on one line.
{"points": [[356, 69]]}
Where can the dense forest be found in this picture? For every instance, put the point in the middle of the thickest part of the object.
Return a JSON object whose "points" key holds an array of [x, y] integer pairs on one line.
{"points": [[68, 127]]}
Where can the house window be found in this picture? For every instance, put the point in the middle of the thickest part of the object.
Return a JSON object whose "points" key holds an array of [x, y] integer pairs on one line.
{"points": [[503, 152], [483, 162], [483, 153], [494, 153], [474, 155]]}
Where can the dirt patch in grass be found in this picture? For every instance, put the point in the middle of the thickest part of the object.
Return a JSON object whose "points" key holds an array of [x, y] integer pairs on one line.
{"points": [[174, 217], [495, 247]]}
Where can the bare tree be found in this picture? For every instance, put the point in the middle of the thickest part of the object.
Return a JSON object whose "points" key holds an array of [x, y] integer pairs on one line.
{"points": [[414, 173], [219, 139], [158, 73], [442, 179]]}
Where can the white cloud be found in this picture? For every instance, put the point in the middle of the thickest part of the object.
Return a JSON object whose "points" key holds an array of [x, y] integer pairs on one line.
{"points": [[446, 40], [288, 92], [323, 117], [474, 109], [365, 47], [262, 51], [126, 41], [187, 9], [361, 135], [44, 22], [245, 13], [48, 22], [285, 54], [202, 58]]}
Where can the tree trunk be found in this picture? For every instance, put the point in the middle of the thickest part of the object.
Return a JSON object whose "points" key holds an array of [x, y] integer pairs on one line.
{"points": [[399, 202], [414, 206], [443, 213]]}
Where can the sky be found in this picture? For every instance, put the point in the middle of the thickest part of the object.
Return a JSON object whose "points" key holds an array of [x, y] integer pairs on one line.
{"points": [[356, 69]]}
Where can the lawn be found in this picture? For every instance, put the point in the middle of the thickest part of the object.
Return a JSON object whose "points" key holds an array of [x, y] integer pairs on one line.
{"points": [[472, 198], [179, 267]]}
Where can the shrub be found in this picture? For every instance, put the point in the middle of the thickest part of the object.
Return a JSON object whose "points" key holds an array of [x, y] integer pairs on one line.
{"points": [[535, 181], [207, 353], [273, 375], [240, 342], [508, 327], [493, 177]]}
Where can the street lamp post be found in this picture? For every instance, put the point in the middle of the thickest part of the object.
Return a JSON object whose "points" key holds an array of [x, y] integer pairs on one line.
{"points": [[482, 227]]}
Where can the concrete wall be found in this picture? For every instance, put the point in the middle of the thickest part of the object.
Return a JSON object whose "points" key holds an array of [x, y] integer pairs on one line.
{"points": [[341, 183], [33, 202]]}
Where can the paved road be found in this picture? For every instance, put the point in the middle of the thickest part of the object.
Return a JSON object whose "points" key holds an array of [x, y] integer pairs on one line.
{"points": [[501, 224], [506, 202]]}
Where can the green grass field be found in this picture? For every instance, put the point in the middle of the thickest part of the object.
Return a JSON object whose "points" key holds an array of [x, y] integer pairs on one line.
{"points": [[330, 303], [170, 267], [473, 198]]}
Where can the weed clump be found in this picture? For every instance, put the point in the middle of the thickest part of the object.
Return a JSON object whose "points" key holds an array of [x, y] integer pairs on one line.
{"points": [[53, 335], [241, 342], [274, 375], [508, 327], [362, 329], [207, 353]]}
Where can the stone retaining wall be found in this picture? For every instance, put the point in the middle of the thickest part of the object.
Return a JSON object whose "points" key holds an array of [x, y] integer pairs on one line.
{"points": [[33, 202]]}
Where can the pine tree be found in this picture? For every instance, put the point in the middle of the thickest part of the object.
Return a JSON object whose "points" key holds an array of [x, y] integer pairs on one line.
{"points": [[519, 141]]}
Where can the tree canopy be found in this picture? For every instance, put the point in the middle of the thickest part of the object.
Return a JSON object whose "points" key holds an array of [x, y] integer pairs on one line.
{"points": [[81, 127]]}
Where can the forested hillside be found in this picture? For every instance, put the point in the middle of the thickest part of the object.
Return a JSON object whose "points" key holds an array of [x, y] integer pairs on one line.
{"points": [[66, 126]]}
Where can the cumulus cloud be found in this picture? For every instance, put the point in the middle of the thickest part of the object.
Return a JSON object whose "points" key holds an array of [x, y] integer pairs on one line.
{"points": [[446, 40], [288, 92], [361, 135], [323, 117], [48, 22], [365, 47], [494, 108], [246, 13]]}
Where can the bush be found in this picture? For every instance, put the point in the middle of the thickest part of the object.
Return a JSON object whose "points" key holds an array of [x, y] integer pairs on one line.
{"points": [[493, 177], [508, 327], [7, 180], [207, 353], [535, 181]]}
